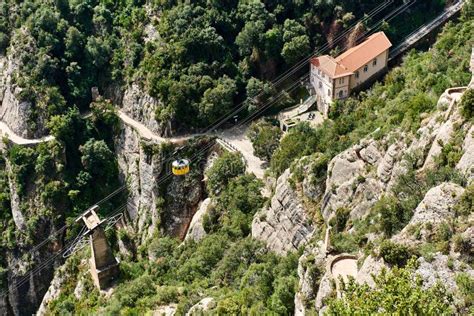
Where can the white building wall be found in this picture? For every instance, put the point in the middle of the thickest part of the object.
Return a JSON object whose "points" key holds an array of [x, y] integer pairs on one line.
{"points": [[323, 87], [371, 70], [342, 84]]}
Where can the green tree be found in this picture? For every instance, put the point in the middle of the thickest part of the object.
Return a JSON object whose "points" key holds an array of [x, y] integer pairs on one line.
{"points": [[296, 42], [467, 104], [226, 167], [98, 160], [218, 100], [265, 139], [396, 292]]}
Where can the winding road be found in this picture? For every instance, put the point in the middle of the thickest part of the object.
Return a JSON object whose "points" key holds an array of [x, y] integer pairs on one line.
{"points": [[235, 137], [5, 130]]}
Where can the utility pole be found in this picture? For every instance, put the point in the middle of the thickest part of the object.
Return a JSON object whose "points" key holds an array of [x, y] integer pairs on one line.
{"points": [[104, 266]]}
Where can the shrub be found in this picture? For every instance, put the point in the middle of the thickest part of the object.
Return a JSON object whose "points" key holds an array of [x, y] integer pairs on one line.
{"points": [[339, 221], [396, 292], [467, 104], [265, 139], [226, 167], [391, 215], [344, 242], [395, 254]]}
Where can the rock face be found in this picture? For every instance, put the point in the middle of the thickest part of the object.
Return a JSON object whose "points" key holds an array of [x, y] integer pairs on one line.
{"points": [[440, 270], [435, 208], [141, 107], [370, 267], [466, 163], [311, 267], [202, 307], [140, 169], [14, 112], [25, 290], [284, 225], [54, 290], [352, 178], [196, 230], [182, 199], [359, 176]]}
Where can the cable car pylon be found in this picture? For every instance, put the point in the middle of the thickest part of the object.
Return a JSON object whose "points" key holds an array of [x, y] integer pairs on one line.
{"points": [[104, 266]]}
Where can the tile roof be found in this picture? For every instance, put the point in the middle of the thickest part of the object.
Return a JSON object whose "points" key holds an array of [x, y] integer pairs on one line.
{"points": [[354, 58]]}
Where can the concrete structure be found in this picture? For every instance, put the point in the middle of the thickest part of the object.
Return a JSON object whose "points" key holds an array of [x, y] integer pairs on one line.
{"points": [[104, 266], [335, 78]]}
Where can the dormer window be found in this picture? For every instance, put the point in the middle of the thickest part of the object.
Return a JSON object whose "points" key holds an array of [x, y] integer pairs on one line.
{"points": [[366, 68]]}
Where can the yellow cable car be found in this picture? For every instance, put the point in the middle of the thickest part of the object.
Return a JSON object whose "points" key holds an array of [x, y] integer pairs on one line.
{"points": [[180, 167]]}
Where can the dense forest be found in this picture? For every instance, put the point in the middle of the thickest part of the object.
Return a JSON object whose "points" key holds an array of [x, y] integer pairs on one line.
{"points": [[199, 60]]}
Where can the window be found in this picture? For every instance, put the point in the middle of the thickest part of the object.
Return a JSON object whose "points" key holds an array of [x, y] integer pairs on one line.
{"points": [[319, 71], [320, 85], [341, 94], [341, 80], [329, 92], [366, 68], [323, 75], [374, 62], [357, 74]]}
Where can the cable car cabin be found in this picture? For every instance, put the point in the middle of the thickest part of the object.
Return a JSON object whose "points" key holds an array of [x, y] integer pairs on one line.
{"points": [[180, 167]]}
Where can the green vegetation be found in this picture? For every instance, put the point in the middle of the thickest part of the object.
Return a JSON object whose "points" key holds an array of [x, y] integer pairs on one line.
{"points": [[227, 264], [265, 138], [395, 254], [395, 292], [467, 104], [206, 57], [396, 104], [228, 166]]}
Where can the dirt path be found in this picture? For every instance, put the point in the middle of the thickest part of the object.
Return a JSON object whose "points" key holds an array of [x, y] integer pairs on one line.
{"points": [[17, 139], [237, 138]]}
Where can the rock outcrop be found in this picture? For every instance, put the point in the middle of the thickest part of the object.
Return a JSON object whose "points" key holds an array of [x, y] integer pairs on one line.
{"points": [[143, 167], [284, 225], [311, 268], [466, 163], [141, 107], [196, 229], [443, 269], [352, 178], [13, 112], [140, 169], [435, 208], [202, 307]]}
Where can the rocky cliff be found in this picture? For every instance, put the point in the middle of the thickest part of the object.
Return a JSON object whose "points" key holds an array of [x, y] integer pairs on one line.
{"points": [[284, 225], [13, 111], [21, 247], [358, 177], [157, 200]]}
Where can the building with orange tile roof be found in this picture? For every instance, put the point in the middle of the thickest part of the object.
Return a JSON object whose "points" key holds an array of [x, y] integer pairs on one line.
{"points": [[335, 78]]}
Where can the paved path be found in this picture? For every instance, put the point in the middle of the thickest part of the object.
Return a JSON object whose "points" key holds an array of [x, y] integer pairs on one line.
{"points": [[17, 139], [426, 29], [235, 137]]}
